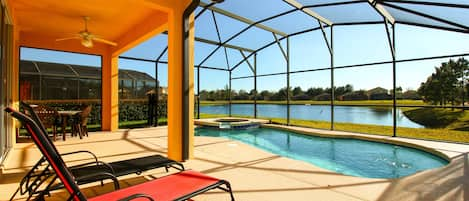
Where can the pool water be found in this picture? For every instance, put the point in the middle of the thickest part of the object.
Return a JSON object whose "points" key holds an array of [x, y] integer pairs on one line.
{"points": [[347, 156]]}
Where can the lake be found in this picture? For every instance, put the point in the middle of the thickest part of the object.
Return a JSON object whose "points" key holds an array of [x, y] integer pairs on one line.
{"points": [[347, 114]]}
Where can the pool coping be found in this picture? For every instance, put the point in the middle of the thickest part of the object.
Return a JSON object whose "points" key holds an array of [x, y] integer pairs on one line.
{"points": [[360, 136]]}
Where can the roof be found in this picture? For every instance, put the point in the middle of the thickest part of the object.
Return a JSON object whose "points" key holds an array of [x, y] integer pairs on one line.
{"points": [[225, 30], [73, 71]]}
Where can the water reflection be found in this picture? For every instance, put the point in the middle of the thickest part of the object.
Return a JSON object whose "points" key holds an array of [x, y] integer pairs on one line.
{"points": [[348, 114], [380, 111]]}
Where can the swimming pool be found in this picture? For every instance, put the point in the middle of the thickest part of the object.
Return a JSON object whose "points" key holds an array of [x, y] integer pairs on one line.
{"points": [[347, 156]]}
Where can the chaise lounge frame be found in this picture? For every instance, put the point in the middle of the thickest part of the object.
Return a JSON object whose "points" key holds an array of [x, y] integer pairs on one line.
{"points": [[179, 186], [88, 172]]}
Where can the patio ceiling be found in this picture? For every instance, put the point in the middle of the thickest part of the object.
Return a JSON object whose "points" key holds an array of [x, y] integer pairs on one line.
{"points": [[52, 19]]}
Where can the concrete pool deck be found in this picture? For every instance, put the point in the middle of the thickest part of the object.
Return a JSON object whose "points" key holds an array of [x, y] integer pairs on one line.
{"points": [[255, 175]]}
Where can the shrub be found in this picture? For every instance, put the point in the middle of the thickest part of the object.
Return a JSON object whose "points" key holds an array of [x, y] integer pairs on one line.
{"points": [[129, 110]]}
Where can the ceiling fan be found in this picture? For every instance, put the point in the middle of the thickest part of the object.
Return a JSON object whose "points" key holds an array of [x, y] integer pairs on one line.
{"points": [[87, 37]]}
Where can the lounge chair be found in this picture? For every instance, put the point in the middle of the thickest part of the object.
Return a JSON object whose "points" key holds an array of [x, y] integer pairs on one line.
{"points": [[179, 186], [88, 172]]}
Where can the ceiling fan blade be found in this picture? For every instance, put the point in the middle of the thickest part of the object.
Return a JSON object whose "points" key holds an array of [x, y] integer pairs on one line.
{"points": [[104, 41], [87, 37], [68, 38]]}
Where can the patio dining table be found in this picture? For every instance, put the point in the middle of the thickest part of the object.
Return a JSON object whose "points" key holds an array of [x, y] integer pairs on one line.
{"points": [[65, 115]]}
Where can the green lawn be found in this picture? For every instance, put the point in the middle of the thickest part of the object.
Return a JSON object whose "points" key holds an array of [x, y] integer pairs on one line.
{"points": [[440, 118], [140, 123]]}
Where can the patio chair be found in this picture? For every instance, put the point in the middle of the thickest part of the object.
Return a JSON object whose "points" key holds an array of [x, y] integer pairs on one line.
{"points": [[98, 170], [179, 186], [80, 121], [49, 118]]}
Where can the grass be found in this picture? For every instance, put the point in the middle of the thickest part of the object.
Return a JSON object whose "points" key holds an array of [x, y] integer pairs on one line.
{"points": [[140, 123], [419, 133], [311, 102], [440, 118]]}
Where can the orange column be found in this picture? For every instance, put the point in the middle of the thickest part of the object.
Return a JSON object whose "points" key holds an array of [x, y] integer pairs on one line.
{"points": [[175, 91], [110, 82]]}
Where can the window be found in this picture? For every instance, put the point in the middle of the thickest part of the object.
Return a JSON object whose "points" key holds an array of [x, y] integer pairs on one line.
{"points": [[62, 80], [3, 133]]}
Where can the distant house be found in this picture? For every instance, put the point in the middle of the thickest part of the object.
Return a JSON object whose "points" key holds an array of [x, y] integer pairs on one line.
{"points": [[378, 93], [411, 95], [323, 97], [54, 81], [163, 90], [354, 95]]}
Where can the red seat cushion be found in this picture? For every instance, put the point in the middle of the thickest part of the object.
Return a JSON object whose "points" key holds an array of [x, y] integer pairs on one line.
{"points": [[165, 188]]}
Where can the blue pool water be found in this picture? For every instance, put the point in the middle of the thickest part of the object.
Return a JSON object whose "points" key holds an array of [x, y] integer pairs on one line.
{"points": [[347, 156]]}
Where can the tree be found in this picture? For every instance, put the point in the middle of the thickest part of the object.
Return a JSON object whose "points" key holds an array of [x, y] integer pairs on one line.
{"points": [[299, 94], [297, 91], [398, 92], [339, 91], [203, 95], [410, 95], [446, 84], [253, 94], [281, 95], [355, 95], [266, 95], [466, 91], [312, 92], [348, 88], [225, 94], [242, 95]]}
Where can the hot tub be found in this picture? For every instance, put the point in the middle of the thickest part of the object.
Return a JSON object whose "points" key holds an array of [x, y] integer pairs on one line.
{"points": [[231, 123]]}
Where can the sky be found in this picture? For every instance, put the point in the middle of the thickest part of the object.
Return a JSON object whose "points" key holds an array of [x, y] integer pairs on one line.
{"points": [[352, 45]]}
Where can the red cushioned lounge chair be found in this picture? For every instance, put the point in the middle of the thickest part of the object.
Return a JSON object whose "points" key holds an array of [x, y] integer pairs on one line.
{"points": [[36, 180], [179, 186]]}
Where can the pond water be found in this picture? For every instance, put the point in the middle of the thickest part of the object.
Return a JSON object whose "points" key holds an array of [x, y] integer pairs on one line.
{"points": [[348, 114]]}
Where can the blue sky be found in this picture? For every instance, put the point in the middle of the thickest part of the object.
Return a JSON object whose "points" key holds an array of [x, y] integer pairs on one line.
{"points": [[352, 45]]}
